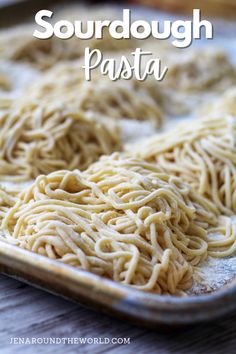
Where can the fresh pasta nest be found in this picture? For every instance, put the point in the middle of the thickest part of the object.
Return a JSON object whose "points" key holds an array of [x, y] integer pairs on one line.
{"points": [[19, 45], [37, 138], [224, 105], [202, 154], [7, 199], [193, 78], [212, 70], [5, 84], [41, 54], [123, 219], [114, 99]]}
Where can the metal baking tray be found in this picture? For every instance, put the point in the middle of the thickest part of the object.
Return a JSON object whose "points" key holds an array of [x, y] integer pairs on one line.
{"points": [[106, 295], [112, 298]]}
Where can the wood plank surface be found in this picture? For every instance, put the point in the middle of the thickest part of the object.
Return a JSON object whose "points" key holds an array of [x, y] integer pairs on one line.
{"points": [[31, 313]]}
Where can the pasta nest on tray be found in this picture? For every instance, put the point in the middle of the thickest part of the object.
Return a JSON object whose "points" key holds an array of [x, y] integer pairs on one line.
{"points": [[7, 199], [115, 99], [123, 219], [194, 77], [224, 105], [5, 83], [19, 45], [202, 154], [39, 138]]}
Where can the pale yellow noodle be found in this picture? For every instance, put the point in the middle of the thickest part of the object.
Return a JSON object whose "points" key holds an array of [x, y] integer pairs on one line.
{"points": [[18, 44], [115, 99], [7, 199], [203, 154], [225, 244], [5, 84], [38, 138], [225, 104], [194, 77], [122, 218]]}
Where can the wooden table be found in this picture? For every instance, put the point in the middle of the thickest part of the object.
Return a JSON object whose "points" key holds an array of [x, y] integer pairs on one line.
{"points": [[28, 312]]}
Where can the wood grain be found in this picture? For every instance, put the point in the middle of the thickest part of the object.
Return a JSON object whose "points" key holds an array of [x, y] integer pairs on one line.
{"points": [[28, 312]]}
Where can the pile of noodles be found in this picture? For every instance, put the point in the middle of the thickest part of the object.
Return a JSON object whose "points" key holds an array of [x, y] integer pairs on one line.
{"points": [[18, 44], [38, 138], [226, 104], [203, 154], [222, 238], [114, 99], [5, 89], [5, 84], [123, 219], [7, 200], [211, 70], [194, 76]]}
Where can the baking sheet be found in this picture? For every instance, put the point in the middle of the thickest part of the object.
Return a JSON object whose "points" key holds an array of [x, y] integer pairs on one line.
{"points": [[106, 296], [216, 274]]}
